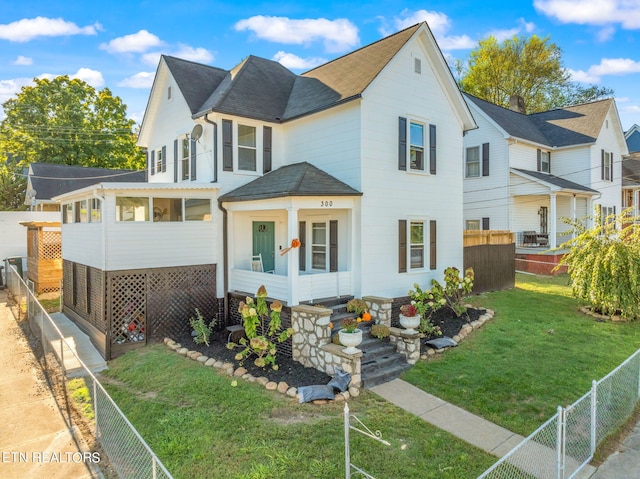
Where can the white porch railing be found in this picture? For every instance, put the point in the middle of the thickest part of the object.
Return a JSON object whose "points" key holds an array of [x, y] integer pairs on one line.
{"points": [[310, 286]]}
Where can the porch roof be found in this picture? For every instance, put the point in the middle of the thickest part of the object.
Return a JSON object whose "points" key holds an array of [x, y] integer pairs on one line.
{"points": [[297, 179], [554, 182]]}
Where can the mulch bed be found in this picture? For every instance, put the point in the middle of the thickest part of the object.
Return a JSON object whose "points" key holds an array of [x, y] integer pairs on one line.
{"points": [[294, 373]]}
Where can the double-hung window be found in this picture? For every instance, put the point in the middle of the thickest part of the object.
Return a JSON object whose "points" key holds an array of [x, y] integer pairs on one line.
{"points": [[544, 162], [159, 153], [319, 246], [472, 162], [184, 158], [247, 148], [416, 147], [416, 244], [607, 166]]}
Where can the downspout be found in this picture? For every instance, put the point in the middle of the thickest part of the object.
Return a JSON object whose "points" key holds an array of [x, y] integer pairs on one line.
{"points": [[215, 147], [225, 281]]}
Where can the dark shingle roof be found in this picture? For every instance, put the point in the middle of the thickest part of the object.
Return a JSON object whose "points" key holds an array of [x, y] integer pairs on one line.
{"points": [[265, 90], [298, 179], [556, 181], [51, 180], [573, 125], [196, 81]]}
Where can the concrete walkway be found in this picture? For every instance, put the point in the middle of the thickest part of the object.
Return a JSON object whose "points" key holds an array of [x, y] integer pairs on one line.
{"points": [[35, 440], [625, 463], [490, 437]]}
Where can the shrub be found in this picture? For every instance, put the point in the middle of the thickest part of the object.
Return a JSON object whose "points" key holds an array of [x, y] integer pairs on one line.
{"points": [[452, 294], [263, 346], [203, 331], [380, 331]]}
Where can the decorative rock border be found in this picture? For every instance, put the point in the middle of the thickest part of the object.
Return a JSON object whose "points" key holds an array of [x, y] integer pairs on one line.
{"points": [[230, 370], [464, 332]]}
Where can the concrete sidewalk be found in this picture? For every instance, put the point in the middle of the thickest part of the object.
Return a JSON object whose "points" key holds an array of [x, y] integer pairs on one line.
{"points": [[492, 438], [35, 440]]}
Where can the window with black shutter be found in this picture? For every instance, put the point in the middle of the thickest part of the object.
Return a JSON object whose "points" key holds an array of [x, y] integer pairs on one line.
{"points": [[227, 145]]}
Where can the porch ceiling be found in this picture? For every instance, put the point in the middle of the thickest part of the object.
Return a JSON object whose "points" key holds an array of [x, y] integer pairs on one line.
{"points": [[298, 179]]}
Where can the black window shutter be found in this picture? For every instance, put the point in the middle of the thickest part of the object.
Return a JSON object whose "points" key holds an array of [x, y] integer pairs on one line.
{"points": [[432, 149], [611, 167], [147, 159], [333, 246], [164, 158], [485, 223], [402, 143], [302, 250], [485, 159], [602, 165], [432, 245], [549, 160], [175, 161], [539, 160], [153, 162], [193, 160], [227, 146], [402, 246], [266, 149]]}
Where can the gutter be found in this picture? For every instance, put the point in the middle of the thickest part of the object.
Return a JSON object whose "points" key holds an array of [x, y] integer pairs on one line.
{"points": [[215, 146]]}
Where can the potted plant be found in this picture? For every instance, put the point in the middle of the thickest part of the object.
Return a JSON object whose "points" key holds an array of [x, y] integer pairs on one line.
{"points": [[409, 318], [350, 335]]}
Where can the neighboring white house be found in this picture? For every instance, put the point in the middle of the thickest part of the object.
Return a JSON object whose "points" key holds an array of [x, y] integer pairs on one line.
{"points": [[358, 159], [631, 172], [526, 173]]}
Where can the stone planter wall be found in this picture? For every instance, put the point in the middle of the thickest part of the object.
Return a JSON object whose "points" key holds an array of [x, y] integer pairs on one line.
{"points": [[312, 347], [380, 309], [406, 343]]}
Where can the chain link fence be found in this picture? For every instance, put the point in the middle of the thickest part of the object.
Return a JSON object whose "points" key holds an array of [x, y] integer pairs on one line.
{"points": [[562, 446], [92, 416]]}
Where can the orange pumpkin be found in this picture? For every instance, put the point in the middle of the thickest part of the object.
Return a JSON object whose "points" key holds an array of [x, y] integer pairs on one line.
{"points": [[366, 316]]}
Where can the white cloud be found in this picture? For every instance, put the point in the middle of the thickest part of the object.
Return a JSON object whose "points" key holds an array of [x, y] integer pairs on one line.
{"points": [[92, 77], [438, 22], [10, 88], [523, 25], [338, 35], [295, 62], [134, 43], [151, 58], [139, 80], [29, 28], [21, 60], [607, 66], [200, 55], [592, 12]]}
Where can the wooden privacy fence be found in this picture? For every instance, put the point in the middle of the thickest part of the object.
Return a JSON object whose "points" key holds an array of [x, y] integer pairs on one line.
{"points": [[491, 254], [44, 255]]}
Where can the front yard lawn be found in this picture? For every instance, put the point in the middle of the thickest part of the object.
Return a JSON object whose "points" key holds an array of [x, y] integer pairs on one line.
{"points": [[202, 426], [537, 353]]}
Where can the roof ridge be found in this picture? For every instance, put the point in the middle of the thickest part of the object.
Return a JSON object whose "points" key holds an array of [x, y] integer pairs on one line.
{"points": [[193, 62]]}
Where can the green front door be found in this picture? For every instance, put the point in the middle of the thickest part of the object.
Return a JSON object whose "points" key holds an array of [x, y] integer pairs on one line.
{"points": [[264, 243]]}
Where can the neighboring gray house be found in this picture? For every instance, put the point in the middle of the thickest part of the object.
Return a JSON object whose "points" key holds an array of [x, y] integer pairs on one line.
{"points": [[631, 172], [46, 180]]}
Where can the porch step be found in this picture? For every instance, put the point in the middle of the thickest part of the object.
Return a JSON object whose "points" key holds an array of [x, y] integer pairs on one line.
{"points": [[380, 362]]}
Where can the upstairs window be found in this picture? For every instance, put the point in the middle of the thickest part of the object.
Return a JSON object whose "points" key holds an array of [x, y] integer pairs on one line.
{"points": [[607, 166], [416, 147], [472, 162], [159, 156], [184, 158], [247, 148], [544, 162]]}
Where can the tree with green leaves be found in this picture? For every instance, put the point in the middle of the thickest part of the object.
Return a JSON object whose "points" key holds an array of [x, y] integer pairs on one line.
{"points": [[12, 187], [604, 265], [66, 121], [530, 67]]}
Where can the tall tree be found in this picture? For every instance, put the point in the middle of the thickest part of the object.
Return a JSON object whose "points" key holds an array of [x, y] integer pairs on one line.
{"points": [[66, 121], [12, 187], [530, 67]]}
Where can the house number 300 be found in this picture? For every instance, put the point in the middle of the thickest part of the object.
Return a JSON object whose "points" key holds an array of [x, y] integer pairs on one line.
{"points": [[324, 204]]}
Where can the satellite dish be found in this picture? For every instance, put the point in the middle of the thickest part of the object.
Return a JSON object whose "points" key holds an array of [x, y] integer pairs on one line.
{"points": [[31, 194], [196, 133]]}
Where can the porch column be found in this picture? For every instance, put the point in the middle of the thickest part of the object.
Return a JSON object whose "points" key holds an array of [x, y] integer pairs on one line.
{"points": [[554, 226], [573, 211], [293, 262]]}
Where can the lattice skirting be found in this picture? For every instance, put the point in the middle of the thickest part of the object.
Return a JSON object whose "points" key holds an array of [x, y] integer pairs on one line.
{"points": [[135, 307]]}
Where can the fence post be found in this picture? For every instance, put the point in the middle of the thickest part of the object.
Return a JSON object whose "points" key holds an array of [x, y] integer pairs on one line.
{"points": [[594, 415], [347, 454], [560, 444]]}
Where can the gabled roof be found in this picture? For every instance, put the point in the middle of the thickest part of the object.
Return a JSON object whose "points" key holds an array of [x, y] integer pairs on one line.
{"points": [[50, 180], [297, 179], [632, 137], [555, 181], [572, 125]]}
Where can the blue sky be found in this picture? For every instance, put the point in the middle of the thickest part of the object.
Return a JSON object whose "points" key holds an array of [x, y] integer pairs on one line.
{"points": [[116, 44]]}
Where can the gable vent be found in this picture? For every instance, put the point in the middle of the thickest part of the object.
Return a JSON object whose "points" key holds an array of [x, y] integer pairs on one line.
{"points": [[169, 93], [417, 65]]}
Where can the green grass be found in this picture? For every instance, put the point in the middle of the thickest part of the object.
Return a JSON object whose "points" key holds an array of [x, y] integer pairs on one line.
{"points": [[537, 353], [201, 426]]}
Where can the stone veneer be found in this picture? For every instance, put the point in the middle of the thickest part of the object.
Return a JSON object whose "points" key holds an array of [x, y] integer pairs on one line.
{"points": [[406, 343], [311, 344], [380, 309]]}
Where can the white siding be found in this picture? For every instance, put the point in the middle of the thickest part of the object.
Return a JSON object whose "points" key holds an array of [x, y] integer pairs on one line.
{"points": [[390, 194], [525, 212], [487, 196]]}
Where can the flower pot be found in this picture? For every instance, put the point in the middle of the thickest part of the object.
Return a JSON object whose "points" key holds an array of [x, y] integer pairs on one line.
{"points": [[350, 340], [410, 323]]}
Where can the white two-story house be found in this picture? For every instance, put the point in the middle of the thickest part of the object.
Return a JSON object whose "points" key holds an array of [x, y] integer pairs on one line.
{"points": [[357, 160], [530, 173]]}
